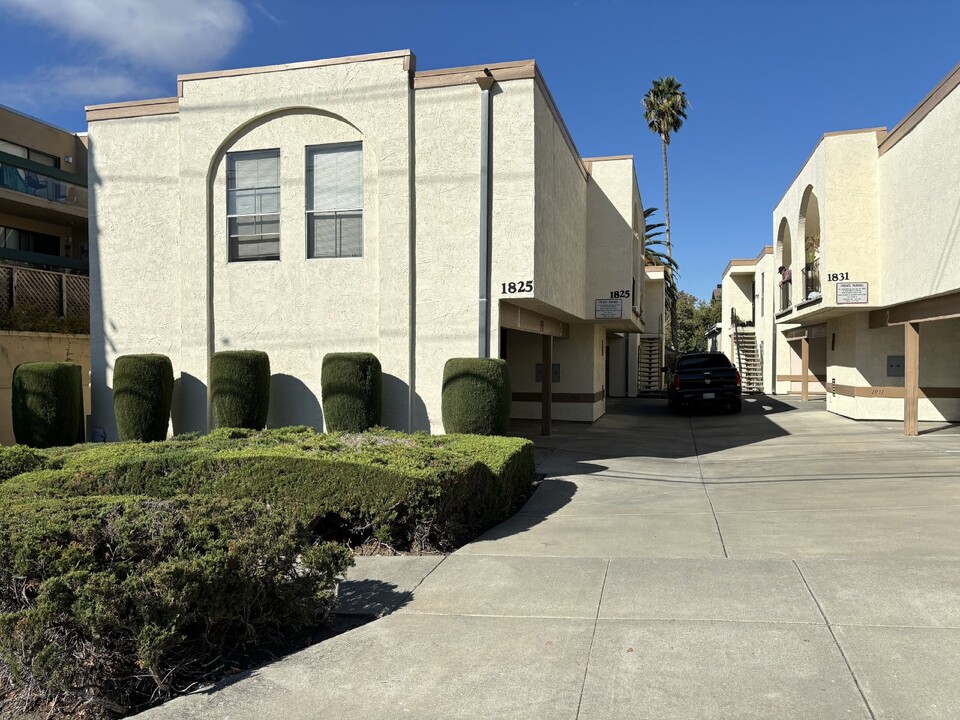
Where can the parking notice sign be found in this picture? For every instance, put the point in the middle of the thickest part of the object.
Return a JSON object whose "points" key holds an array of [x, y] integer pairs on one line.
{"points": [[608, 309], [853, 293]]}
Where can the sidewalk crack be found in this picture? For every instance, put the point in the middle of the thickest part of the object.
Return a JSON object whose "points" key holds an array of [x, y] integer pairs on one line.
{"points": [[836, 641], [703, 484], [593, 638]]}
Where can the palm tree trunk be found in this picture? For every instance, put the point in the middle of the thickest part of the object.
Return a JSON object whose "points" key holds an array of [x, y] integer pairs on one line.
{"points": [[666, 205]]}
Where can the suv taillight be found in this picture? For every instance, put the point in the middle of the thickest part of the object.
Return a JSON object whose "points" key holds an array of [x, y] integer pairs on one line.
{"points": [[739, 382], [676, 381]]}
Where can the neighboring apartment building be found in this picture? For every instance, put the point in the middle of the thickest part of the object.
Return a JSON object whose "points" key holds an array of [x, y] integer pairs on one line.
{"points": [[870, 234], [359, 204], [43, 247]]}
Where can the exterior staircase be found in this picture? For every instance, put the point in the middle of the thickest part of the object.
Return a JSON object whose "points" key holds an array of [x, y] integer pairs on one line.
{"points": [[748, 360], [650, 360]]}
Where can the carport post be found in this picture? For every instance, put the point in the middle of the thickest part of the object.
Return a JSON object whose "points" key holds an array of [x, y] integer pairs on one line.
{"points": [[805, 368], [911, 379], [546, 385]]}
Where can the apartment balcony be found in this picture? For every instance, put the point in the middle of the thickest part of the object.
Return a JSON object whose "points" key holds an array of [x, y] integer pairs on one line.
{"points": [[35, 190], [811, 281]]}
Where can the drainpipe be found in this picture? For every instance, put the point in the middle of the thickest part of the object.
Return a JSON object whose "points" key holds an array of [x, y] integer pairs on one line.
{"points": [[486, 83]]}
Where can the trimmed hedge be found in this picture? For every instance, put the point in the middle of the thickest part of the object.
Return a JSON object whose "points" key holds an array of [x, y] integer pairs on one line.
{"points": [[413, 492], [352, 390], [47, 404], [120, 602], [476, 396], [240, 388], [142, 396]]}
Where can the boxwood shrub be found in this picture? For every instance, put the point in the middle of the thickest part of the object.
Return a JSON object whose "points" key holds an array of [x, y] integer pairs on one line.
{"points": [[47, 404], [115, 602], [240, 388], [352, 389], [476, 396], [142, 395]]}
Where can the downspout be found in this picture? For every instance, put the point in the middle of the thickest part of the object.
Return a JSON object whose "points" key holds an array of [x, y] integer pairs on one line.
{"points": [[486, 83], [412, 252]]}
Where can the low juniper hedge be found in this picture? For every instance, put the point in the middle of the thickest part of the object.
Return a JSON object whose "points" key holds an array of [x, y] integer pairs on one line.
{"points": [[131, 571], [412, 492], [109, 604]]}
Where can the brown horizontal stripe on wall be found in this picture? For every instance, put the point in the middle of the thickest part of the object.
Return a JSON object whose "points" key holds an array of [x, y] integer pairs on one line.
{"points": [[894, 392], [560, 397], [799, 378]]}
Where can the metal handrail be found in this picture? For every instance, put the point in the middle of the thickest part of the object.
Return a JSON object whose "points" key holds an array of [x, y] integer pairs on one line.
{"points": [[811, 272]]}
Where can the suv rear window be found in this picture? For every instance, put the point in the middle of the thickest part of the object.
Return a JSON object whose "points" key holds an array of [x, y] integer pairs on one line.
{"points": [[703, 362]]}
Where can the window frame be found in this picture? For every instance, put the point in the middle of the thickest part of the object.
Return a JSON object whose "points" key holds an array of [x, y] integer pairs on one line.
{"points": [[230, 254], [309, 213]]}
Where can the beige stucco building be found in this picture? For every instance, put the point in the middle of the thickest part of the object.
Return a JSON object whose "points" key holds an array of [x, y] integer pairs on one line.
{"points": [[360, 204], [869, 231]]}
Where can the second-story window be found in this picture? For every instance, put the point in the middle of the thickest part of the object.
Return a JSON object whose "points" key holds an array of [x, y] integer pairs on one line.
{"points": [[253, 205], [335, 201]]}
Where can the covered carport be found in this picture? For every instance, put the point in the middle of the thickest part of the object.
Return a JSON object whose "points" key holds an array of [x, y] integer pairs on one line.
{"points": [[940, 315]]}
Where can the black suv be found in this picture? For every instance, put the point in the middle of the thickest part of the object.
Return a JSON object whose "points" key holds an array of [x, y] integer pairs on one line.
{"points": [[703, 378]]}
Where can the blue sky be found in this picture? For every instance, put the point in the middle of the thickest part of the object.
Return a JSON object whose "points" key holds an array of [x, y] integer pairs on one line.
{"points": [[765, 79]]}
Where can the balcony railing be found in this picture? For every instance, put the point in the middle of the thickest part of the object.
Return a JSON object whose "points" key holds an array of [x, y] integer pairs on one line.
{"points": [[785, 296], [39, 181], [811, 272], [44, 292]]}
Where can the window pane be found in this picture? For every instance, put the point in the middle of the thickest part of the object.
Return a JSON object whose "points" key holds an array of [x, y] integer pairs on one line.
{"points": [[351, 235], [323, 236], [253, 201], [335, 177], [13, 149]]}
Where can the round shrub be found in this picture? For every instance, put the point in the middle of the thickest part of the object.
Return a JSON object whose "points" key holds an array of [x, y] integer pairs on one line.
{"points": [[142, 395], [476, 396], [47, 404], [352, 388], [240, 388]]}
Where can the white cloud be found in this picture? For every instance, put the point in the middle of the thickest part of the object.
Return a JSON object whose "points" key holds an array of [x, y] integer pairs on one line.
{"points": [[64, 86], [173, 35]]}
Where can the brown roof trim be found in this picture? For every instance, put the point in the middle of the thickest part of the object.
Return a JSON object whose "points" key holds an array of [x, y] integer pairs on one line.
{"points": [[407, 55], [135, 108], [879, 133], [933, 98], [608, 157], [748, 262]]}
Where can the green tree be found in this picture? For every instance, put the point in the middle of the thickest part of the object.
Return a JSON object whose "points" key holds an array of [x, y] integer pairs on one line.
{"points": [[665, 109], [655, 256], [694, 317]]}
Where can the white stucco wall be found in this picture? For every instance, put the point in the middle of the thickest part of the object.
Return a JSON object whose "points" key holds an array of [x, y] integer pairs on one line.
{"points": [[135, 252], [561, 217], [919, 206]]}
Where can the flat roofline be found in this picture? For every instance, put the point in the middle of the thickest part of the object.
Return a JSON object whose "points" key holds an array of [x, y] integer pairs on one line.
{"points": [[35, 119], [407, 54], [133, 108], [923, 108], [748, 262], [879, 131]]}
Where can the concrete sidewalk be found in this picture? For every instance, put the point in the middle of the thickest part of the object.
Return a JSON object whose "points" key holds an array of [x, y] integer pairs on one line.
{"points": [[783, 563]]}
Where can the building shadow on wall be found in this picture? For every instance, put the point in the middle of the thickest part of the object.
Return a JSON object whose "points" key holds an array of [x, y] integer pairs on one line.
{"points": [[293, 403], [396, 396], [189, 409]]}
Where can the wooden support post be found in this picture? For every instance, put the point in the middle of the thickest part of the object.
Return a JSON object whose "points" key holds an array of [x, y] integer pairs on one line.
{"points": [[546, 384], [805, 369], [911, 379]]}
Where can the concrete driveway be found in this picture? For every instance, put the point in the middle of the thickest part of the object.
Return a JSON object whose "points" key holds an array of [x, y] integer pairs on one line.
{"points": [[783, 563]]}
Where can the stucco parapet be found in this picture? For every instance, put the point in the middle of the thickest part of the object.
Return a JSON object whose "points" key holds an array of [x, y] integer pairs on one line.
{"points": [[924, 108], [747, 262], [135, 108], [878, 132]]}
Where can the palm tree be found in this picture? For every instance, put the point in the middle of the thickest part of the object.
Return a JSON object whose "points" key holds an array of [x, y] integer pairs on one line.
{"points": [[665, 109], [653, 256]]}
